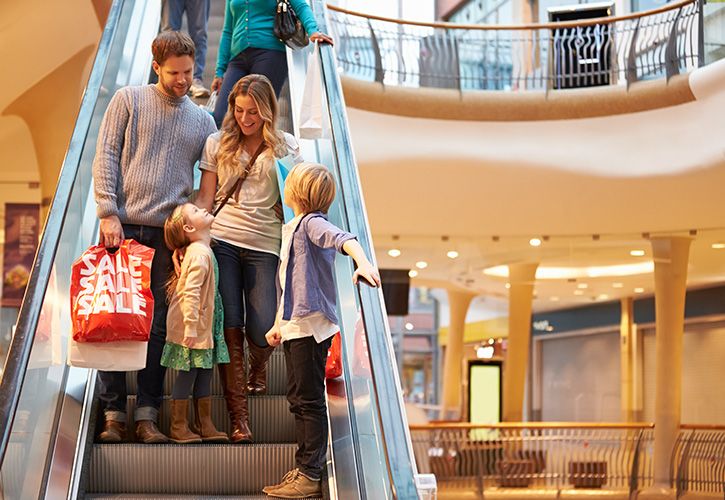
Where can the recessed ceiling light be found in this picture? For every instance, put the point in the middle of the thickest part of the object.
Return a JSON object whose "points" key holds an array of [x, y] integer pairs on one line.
{"points": [[617, 285], [452, 254], [582, 286], [394, 252], [412, 273], [554, 298], [639, 290], [578, 292], [409, 326], [534, 242], [718, 246], [508, 285], [637, 253], [421, 264], [602, 296]]}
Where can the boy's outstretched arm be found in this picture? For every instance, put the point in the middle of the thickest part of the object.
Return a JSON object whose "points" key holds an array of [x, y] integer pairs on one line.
{"points": [[365, 268]]}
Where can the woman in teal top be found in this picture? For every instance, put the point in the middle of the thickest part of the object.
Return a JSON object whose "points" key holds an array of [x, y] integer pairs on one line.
{"points": [[248, 45]]}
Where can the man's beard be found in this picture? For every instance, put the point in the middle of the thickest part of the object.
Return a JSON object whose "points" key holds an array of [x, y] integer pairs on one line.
{"points": [[171, 90]]}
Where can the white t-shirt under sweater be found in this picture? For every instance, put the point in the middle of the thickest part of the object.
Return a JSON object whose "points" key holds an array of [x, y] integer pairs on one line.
{"points": [[313, 325], [250, 221]]}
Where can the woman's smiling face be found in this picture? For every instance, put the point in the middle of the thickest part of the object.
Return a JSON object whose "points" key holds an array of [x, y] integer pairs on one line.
{"points": [[247, 115]]}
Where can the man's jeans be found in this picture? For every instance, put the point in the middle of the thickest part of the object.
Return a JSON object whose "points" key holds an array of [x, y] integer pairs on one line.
{"points": [[151, 378], [197, 18]]}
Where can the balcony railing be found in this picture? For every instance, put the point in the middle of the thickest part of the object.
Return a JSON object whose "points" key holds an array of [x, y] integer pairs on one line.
{"points": [[606, 51], [698, 460], [537, 455]]}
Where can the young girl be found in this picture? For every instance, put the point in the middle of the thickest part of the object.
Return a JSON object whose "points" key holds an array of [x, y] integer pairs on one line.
{"points": [[306, 318], [194, 324]]}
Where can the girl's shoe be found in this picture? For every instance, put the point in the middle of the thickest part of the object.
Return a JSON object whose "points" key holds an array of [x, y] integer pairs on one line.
{"points": [[180, 432], [204, 424]]}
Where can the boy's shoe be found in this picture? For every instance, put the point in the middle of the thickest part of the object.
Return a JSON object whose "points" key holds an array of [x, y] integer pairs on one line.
{"points": [[198, 89], [297, 485]]}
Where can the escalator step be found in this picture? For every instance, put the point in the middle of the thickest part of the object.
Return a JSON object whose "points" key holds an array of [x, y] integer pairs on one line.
{"points": [[276, 377], [187, 469], [112, 496], [269, 418]]}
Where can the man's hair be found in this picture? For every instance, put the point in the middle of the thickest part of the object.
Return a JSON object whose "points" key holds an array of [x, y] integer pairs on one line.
{"points": [[171, 43], [312, 186]]}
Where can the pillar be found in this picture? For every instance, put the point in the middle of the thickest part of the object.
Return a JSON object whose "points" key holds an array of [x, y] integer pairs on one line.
{"points": [[626, 346], [458, 302], [521, 295], [670, 256]]}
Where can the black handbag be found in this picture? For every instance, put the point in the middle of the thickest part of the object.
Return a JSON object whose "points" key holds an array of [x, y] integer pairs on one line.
{"points": [[288, 28]]}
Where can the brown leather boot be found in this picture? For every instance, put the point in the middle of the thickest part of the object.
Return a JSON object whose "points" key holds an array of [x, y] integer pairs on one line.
{"points": [[207, 429], [180, 432], [258, 357], [233, 378], [147, 432], [113, 432]]}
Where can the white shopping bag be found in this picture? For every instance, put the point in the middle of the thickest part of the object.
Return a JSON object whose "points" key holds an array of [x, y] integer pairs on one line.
{"points": [[124, 356], [314, 122], [210, 103]]}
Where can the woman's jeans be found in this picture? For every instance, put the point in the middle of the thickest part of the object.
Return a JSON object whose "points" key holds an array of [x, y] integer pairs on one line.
{"points": [[248, 286], [270, 63], [151, 378]]}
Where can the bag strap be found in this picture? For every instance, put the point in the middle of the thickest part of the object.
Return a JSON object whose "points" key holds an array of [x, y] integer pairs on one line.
{"points": [[239, 181]]}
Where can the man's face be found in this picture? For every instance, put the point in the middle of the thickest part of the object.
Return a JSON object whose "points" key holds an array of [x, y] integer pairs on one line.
{"points": [[175, 75]]}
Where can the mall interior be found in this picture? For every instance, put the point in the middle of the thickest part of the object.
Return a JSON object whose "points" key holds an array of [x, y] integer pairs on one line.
{"points": [[540, 183]]}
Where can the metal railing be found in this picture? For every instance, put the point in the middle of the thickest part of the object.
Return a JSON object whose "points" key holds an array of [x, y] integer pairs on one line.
{"points": [[605, 51], [538, 455], [698, 460]]}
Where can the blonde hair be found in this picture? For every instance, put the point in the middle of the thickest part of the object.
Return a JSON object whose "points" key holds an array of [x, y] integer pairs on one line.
{"points": [[259, 88], [312, 187], [175, 238]]}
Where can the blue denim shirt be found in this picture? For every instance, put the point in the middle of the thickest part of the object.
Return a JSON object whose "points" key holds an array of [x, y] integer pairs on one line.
{"points": [[310, 275]]}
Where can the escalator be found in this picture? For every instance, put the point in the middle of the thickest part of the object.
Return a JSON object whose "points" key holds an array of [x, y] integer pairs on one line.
{"points": [[49, 411]]}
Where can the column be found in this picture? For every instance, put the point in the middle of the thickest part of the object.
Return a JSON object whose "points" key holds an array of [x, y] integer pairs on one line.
{"points": [[521, 294], [458, 302], [670, 256], [626, 326]]}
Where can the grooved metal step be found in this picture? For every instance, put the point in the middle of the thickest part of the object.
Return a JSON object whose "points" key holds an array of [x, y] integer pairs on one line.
{"points": [[112, 496], [276, 377], [204, 469], [269, 417]]}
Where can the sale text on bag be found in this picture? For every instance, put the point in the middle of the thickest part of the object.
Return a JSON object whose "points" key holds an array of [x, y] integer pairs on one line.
{"points": [[110, 285]]}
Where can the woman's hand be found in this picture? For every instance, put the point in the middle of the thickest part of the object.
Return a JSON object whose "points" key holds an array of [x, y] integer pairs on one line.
{"points": [[216, 83], [317, 37]]}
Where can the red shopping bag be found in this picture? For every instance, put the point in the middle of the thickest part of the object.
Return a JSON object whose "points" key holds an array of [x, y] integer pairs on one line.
{"points": [[110, 294], [333, 366]]}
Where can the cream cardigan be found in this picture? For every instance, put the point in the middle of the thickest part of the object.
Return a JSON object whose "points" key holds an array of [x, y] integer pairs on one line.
{"points": [[191, 309]]}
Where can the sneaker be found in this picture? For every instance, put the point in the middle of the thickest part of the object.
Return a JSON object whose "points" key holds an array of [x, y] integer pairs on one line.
{"points": [[198, 89], [287, 477], [297, 485]]}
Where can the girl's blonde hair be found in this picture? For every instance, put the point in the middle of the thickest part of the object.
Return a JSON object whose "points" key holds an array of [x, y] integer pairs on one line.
{"points": [[175, 238], [259, 88], [312, 187]]}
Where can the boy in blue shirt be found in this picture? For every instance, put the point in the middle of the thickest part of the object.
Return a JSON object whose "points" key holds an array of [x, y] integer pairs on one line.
{"points": [[307, 320]]}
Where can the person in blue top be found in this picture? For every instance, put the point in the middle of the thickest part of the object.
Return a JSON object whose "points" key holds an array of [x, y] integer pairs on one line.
{"points": [[248, 46]]}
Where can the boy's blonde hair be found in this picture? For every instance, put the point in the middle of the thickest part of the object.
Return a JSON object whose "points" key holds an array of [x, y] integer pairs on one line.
{"points": [[175, 238], [312, 187]]}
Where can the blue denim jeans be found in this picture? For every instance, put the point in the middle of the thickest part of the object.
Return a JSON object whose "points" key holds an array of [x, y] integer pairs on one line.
{"points": [[150, 379], [248, 286], [267, 62], [197, 18]]}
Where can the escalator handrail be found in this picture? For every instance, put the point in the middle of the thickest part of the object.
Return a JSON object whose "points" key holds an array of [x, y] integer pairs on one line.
{"points": [[20, 349], [396, 437]]}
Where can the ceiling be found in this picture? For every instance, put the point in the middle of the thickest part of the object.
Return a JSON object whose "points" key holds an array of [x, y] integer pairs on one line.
{"points": [[594, 189]]}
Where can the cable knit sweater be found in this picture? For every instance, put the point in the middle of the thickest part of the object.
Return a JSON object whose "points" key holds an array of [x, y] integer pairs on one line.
{"points": [[147, 147]]}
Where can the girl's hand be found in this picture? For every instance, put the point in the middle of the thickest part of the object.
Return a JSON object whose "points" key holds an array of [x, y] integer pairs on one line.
{"points": [[369, 273], [177, 258], [322, 38], [273, 337], [216, 83]]}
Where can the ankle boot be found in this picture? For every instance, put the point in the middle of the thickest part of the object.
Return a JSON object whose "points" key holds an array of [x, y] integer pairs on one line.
{"points": [[233, 378], [258, 357], [209, 433], [180, 432]]}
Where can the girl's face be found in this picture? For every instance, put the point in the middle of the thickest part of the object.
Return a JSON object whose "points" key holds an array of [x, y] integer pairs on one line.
{"points": [[247, 115], [196, 217]]}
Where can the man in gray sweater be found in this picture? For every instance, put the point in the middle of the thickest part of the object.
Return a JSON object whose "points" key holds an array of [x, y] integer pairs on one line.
{"points": [[149, 141]]}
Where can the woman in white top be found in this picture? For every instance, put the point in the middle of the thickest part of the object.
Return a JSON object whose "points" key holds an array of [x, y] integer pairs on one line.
{"points": [[247, 232]]}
